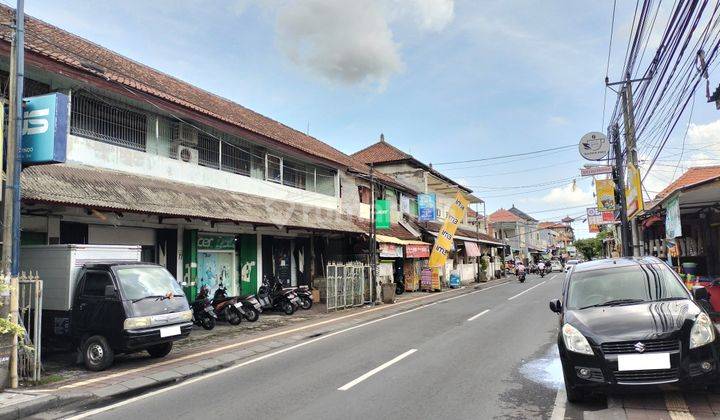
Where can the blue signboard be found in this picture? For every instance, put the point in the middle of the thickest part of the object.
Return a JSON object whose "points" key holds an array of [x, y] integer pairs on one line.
{"points": [[45, 129], [426, 207]]}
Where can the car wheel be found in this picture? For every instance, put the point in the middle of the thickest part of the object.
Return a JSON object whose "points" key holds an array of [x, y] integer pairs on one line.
{"points": [[252, 315], [97, 353], [160, 350], [232, 315], [306, 303]]}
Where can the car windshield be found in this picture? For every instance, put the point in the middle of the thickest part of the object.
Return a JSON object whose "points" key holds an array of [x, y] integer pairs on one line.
{"points": [[624, 285], [141, 282]]}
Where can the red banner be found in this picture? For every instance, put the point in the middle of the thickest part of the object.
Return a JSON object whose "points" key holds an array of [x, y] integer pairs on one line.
{"points": [[417, 251]]}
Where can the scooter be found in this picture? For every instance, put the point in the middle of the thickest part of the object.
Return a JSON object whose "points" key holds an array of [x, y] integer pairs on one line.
{"points": [[542, 273], [226, 308], [271, 295], [305, 295], [203, 312], [252, 307], [521, 276]]}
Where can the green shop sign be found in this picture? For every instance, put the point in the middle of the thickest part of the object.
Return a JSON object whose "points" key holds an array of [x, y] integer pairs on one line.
{"points": [[382, 214], [216, 242]]}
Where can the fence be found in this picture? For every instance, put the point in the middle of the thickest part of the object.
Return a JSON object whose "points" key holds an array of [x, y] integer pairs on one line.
{"points": [[347, 285], [30, 289]]}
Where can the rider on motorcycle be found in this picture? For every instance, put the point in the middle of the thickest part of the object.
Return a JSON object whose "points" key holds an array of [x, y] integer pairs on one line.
{"points": [[541, 266], [519, 268]]}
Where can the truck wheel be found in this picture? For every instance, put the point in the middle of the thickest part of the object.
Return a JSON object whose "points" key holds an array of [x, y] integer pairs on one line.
{"points": [[97, 353], [160, 350]]}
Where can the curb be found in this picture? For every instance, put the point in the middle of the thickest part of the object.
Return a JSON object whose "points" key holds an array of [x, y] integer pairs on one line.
{"points": [[118, 392]]}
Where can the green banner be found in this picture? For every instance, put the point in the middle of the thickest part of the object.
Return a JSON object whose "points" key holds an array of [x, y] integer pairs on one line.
{"points": [[190, 263], [382, 214], [248, 264]]}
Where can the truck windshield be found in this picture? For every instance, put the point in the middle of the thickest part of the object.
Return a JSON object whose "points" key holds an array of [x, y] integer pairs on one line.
{"points": [[141, 282], [624, 285]]}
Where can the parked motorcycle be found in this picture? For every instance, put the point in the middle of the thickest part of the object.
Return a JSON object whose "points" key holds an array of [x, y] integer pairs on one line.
{"points": [[271, 295], [203, 313], [252, 307], [226, 308], [305, 295]]}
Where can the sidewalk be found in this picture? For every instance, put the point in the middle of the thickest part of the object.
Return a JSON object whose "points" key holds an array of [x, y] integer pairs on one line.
{"points": [[203, 352]]}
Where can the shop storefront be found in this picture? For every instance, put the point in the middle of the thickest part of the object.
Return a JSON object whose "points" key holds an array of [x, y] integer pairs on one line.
{"points": [[287, 259], [417, 254], [216, 263]]}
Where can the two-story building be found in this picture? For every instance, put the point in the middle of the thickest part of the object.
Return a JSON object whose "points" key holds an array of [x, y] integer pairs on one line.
{"points": [[519, 232], [210, 189], [470, 241]]}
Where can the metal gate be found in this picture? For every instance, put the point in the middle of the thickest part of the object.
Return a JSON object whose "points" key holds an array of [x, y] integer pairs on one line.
{"points": [[347, 285], [30, 290]]}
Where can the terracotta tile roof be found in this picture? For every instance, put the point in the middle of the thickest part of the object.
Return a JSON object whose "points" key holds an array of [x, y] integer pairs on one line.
{"points": [[503, 215], [396, 230], [551, 225], [380, 152], [71, 50], [692, 176], [104, 189], [516, 211]]}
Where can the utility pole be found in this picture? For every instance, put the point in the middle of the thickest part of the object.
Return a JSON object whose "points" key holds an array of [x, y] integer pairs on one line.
{"points": [[619, 174], [11, 221], [373, 244], [630, 142]]}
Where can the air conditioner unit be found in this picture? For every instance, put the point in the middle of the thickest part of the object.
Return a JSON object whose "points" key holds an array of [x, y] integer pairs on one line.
{"points": [[187, 134], [187, 154]]}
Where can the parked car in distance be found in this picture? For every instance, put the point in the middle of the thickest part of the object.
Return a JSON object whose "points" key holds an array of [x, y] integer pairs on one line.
{"points": [[616, 332], [569, 264], [556, 266]]}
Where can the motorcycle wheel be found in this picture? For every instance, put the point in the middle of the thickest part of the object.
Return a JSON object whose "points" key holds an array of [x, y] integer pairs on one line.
{"points": [[306, 303], [232, 315], [252, 315], [288, 308], [399, 289], [207, 322]]}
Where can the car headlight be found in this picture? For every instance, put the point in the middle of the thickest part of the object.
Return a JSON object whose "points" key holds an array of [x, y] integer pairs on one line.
{"points": [[702, 332], [137, 322], [575, 341], [186, 316]]}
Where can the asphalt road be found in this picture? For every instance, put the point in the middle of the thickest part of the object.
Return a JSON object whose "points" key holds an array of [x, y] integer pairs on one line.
{"points": [[490, 353]]}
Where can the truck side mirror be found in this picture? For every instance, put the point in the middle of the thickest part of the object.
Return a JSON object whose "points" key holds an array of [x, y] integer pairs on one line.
{"points": [[700, 293], [556, 306], [110, 291]]}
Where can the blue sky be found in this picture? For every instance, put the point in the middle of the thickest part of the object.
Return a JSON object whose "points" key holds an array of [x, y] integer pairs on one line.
{"points": [[444, 80]]}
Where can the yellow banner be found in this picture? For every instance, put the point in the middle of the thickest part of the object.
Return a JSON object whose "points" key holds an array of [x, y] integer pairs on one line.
{"points": [[605, 194], [444, 240], [633, 191]]}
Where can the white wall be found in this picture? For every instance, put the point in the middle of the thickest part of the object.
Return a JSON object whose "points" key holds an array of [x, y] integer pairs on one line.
{"points": [[94, 153]]}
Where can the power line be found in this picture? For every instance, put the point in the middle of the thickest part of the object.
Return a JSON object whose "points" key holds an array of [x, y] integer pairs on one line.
{"points": [[508, 156], [607, 66]]}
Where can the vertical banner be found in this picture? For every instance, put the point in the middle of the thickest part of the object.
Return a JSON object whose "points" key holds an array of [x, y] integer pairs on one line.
{"points": [[444, 240], [605, 194], [382, 214], [673, 225], [426, 207], [190, 239], [633, 191]]}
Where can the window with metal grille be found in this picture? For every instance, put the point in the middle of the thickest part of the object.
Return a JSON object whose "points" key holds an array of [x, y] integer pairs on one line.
{"points": [[208, 150], [235, 159], [109, 122]]}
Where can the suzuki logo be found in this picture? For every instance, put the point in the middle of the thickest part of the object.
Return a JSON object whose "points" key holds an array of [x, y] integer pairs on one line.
{"points": [[33, 123], [639, 347]]}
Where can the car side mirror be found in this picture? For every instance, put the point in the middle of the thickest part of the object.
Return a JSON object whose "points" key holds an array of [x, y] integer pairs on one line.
{"points": [[110, 291], [556, 306], [700, 293]]}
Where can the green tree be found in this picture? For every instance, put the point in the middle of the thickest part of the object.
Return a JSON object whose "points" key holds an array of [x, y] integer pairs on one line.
{"points": [[589, 247]]}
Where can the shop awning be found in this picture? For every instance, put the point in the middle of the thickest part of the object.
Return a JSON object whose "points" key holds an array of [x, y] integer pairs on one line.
{"points": [[384, 239], [471, 249], [108, 190]]}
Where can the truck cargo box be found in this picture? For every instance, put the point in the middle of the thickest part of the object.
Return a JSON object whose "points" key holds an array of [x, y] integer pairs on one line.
{"points": [[58, 266]]}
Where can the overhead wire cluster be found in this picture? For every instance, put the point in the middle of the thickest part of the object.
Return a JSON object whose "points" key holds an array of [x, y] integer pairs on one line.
{"points": [[686, 50]]}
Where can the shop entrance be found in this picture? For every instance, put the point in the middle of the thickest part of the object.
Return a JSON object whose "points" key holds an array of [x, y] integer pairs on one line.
{"points": [[216, 263], [247, 255]]}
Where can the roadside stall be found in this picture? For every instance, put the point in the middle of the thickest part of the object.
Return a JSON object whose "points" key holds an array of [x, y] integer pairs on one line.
{"points": [[416, 259]]}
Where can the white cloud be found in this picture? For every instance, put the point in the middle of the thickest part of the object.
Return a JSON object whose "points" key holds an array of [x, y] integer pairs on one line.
{"points": [[352, 42], [568, 196], [558, 120], [431, 15]]}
